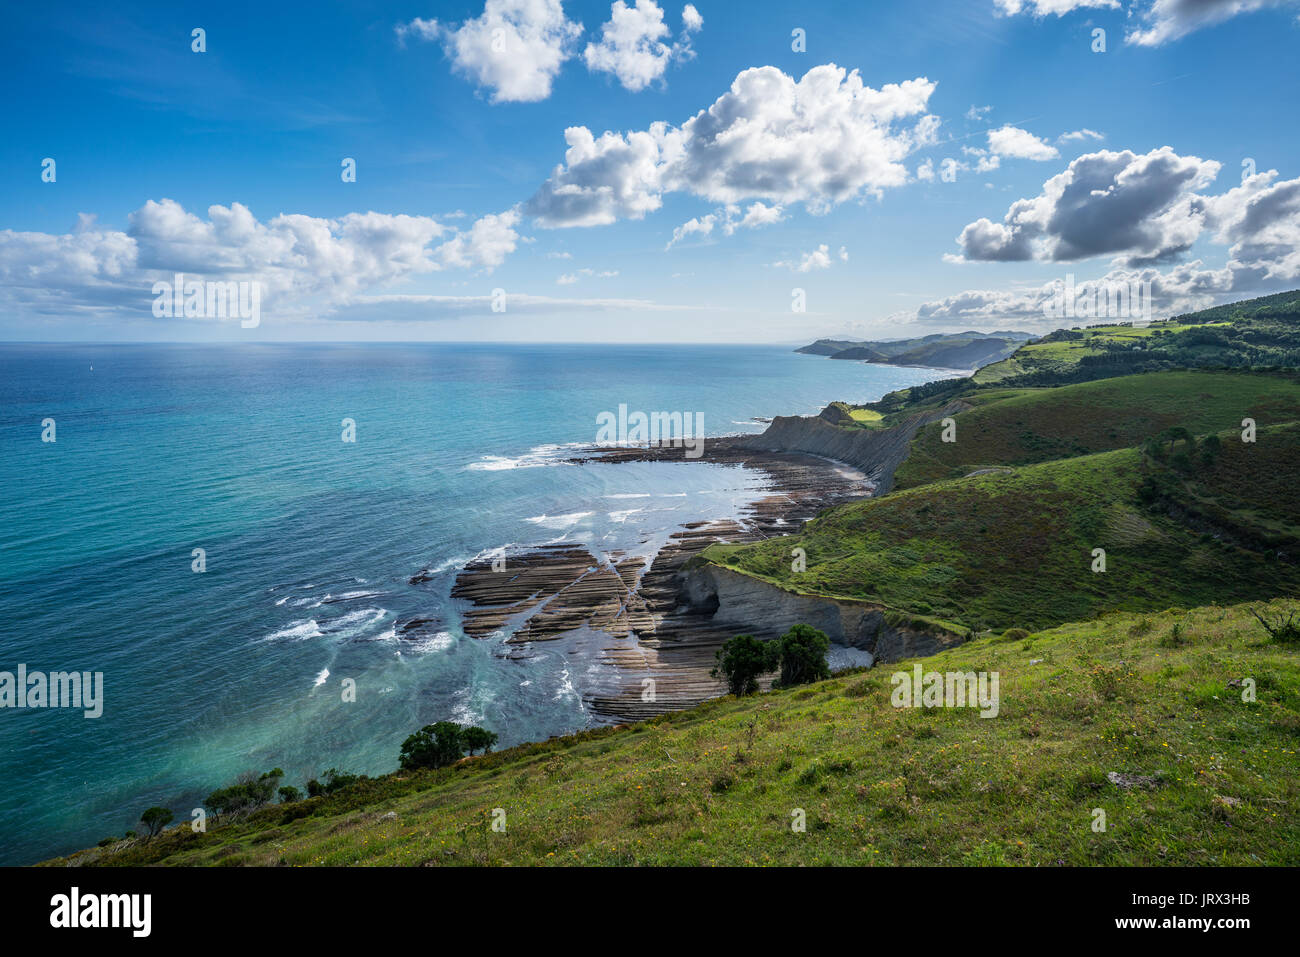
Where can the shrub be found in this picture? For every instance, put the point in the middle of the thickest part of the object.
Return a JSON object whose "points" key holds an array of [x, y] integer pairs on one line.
{"points": [[156, 818], [1286, 632], [433, 746], [803, 655], [1015, 634], [248, 793], [741, 660], [331, 781], [478, 739]]}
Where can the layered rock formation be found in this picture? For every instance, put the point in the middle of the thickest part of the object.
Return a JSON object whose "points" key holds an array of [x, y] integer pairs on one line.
{"points": [[659, 623], [736, 601], [877, 452]]}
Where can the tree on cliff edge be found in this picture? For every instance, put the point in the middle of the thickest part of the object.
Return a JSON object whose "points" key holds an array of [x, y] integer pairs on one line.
{"points": [[803, 656], [741, 660]]}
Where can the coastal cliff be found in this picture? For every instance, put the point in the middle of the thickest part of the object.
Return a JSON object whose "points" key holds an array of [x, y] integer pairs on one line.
{"points": [[876, 452], [744, 603]]}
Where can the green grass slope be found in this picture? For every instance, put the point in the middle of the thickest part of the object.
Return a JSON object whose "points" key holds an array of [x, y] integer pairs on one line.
{"points": [[1015, 548], [1158, 695], [1256, 333], [1018, 427]]}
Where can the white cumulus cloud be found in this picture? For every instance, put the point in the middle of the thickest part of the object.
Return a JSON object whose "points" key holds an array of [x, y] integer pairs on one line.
{"points": [[820, 140], [819, 258], [632, 43], [1168, 20], [1013, 142], [515, 48], [1043, 8], [1141, 208], [303, 263]]}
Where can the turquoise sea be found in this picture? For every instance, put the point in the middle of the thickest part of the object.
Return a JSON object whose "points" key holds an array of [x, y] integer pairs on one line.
{"points": [[310, 542]]}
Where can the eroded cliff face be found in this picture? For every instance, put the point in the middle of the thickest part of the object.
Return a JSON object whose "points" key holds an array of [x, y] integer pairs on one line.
{"points": [[876, 452], [755, 607]]}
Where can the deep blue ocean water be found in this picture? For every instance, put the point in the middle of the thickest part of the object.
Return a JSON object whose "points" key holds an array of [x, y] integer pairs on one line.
{"points": [[310, 542]]}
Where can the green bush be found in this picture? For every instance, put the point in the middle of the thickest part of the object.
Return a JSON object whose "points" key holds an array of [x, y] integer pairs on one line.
{"points": [[803, 656], [156, 818], [741, 660], [331, 781], [248, 793], [443, 743]]}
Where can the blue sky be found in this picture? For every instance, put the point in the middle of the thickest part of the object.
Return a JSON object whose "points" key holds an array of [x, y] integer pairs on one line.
{"points": [[457, 146]]}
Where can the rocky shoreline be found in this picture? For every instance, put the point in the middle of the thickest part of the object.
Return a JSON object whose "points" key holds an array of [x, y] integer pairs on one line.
{"points": [[657, 623]]}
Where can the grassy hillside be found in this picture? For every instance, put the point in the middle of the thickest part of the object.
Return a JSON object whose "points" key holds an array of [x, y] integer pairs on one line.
{"points": [[965, 354], [960, 350], [1015, 548], [1111, 699], [1150, 695], [1254, 335], [1257, 333], [1021, 426]]}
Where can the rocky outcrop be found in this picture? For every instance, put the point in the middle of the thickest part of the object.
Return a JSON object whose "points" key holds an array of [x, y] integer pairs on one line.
{"points": [[550, 591], [740, 602], [877, 452], [837, 413]]}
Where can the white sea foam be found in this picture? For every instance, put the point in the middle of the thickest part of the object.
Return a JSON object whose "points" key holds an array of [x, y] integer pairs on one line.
{"points": [[558, 522], [462, 709], [295, 631], [539, 457], [622, 516], [629, 495], [322, 677], [566, 688], [354, 623], [439, 642]]}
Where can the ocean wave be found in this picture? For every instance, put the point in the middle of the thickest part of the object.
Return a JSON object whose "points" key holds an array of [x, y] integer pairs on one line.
{"points": [[538, 457], [351, 625], [296, 631], [329, 598], [622, 516], [463, 710], [322, 677], [566, 688], [629, 495], [439, 642], [559, 521]]}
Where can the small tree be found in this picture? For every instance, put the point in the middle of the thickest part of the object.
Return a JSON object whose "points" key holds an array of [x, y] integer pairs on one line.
{"points": [[331, 781], [1287, 632], [249, 792], [156, 818], [478, 739], [741, 660], [433, 746], [803, 656], [289, 794]]}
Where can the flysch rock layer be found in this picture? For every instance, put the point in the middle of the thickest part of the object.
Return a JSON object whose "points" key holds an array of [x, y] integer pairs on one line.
{"points": [[662, 622]]}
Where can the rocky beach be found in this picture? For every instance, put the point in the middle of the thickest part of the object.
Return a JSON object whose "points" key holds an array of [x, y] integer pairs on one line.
{"points": [[655, 623]]}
